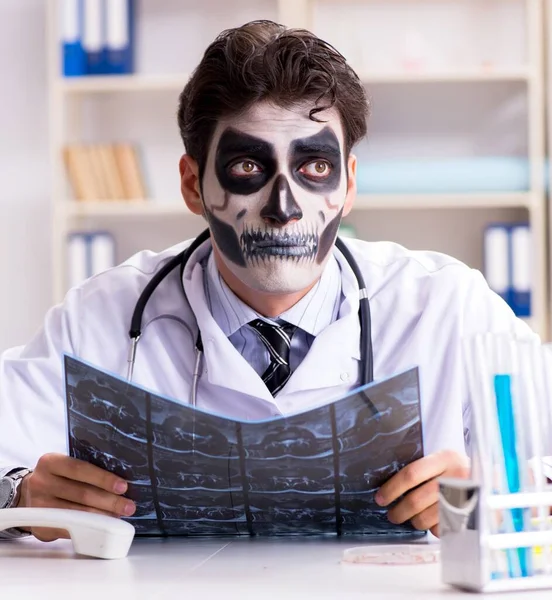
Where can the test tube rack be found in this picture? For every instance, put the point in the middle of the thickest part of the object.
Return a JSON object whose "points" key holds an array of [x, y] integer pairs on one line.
{"points": [[469, 545]]}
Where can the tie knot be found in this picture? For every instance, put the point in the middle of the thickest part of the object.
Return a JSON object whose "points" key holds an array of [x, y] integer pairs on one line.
{"points": [[276, 338]]}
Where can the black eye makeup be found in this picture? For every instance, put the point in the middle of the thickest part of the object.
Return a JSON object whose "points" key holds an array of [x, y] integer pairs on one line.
{"points": [[244, 163], [316, 161]]}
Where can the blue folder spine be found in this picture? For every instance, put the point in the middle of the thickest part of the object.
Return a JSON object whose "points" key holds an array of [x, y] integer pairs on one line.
{"points": [[89, 253], [508, 264], [120, 35], [74, 59], [496, 260], [94, 36], [521, 269], [102, 251]]}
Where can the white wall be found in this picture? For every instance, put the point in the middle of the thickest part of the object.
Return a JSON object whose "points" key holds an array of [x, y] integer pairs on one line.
{"points": [[25, 269]]}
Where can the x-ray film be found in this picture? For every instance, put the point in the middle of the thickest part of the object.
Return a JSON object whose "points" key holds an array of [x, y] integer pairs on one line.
{"points": [[194, 473]]}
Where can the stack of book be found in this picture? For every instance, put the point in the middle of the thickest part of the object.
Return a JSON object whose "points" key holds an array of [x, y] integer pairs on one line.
{"points": [[99, 172], [97, 37]]}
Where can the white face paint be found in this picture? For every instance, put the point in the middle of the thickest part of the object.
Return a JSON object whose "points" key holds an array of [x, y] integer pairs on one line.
{"points": [[274, 188]]}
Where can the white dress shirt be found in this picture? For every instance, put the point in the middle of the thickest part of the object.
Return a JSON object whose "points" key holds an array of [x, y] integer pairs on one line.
{"points": [[311, 315]]}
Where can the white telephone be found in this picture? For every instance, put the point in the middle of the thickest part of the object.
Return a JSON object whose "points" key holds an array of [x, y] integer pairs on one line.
{"points": [[92, 534]]}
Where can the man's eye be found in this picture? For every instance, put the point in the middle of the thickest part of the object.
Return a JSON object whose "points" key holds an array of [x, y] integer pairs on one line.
{"points": [[317, 169], [245, 168]]}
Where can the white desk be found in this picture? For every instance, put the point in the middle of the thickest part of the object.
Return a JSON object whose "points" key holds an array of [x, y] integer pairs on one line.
{"points": [[239, 569]]}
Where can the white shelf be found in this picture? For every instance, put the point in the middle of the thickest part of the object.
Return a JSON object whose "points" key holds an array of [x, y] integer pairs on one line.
{"points": [[122, 83], [444, 201], [475, 75], [125, 208], [176, 82], [155, 208]]}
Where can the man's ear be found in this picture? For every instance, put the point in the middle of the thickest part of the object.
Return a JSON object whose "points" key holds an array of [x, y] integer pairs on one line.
{"points": [[190, 185], [351, 185]]}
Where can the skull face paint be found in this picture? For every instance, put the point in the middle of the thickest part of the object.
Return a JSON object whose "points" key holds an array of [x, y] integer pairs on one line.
{"points": [[274, 189]]}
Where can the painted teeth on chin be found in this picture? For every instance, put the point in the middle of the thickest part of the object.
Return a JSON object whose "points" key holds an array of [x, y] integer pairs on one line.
{"points": [[306, 238]]}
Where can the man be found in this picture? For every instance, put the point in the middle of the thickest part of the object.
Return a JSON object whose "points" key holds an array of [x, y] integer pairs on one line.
{"points": [[268, 119]]}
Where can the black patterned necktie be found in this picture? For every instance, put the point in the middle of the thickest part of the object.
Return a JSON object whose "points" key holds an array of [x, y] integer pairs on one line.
{"points": [[277, 339]]}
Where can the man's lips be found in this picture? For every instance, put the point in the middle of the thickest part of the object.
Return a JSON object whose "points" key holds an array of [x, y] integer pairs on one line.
{"points": [[279, 242], [263, 243]]}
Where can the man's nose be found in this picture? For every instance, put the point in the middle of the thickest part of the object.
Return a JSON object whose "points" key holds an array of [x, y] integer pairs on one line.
{"points": [[281, 207]]}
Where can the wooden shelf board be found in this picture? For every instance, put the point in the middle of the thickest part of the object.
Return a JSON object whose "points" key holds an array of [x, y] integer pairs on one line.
{"points": [[176, 82], [122, 83], [460, 76], [123, 208], [113, 208]]}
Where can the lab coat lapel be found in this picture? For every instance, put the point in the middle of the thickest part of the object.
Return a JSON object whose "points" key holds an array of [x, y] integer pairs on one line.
{"points": [[223, 365], [334, 356], [332, 360]]}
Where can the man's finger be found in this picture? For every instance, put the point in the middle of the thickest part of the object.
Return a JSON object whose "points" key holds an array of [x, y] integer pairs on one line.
{"points": [[411, 476], [49, 535], [428, 519], [78, 470], [414, 503], [85, 495]]}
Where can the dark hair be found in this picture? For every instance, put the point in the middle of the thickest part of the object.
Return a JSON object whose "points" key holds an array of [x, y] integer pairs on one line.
{"points": [[263, 60]]}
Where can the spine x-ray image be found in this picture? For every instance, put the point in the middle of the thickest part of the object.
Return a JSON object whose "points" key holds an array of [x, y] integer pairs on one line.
{"points": [[196, 473]]}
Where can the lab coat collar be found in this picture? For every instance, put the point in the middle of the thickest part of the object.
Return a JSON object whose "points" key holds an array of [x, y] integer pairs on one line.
{"points": [[314, 372], [237, 374]]}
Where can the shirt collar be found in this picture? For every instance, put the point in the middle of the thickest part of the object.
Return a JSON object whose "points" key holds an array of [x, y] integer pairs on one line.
{"points": [[313, 313]]}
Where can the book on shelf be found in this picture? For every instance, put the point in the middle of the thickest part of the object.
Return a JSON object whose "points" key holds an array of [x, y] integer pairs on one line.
{"points": [[105, 172]]}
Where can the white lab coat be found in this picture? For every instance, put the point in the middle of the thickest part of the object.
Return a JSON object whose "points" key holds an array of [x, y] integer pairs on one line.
{"points": [[422, 304]]}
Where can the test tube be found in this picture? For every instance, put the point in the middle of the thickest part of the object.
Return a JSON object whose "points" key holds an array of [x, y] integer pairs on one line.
{"points": [[477, 354]]}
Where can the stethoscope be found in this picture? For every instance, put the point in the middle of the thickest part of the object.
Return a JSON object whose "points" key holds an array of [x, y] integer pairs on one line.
{"points": [[181, 259]]}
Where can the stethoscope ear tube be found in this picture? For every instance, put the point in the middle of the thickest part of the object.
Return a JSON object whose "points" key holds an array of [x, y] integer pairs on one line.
{"points": [[136, 322], [366, 350], [179, 260], [135, 331]]}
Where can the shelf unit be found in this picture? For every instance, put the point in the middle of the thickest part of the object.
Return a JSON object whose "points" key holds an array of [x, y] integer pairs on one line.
{"points": [[67, 97]]}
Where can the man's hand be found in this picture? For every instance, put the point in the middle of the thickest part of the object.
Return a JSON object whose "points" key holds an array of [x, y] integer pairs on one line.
{"points": [[59, 481], [420, 506]]}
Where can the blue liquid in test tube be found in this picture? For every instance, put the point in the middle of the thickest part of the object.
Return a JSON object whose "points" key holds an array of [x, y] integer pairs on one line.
{"points": [[506, 421]]}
